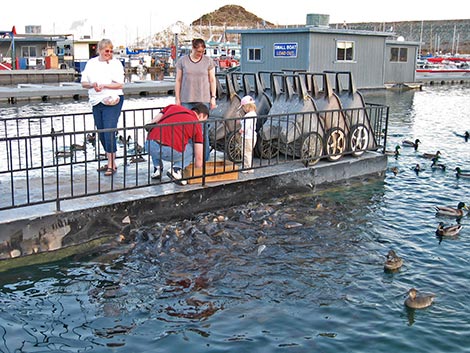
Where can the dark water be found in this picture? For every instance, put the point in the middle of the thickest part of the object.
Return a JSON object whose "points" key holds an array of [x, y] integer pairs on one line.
{"points": [[299, 273]]}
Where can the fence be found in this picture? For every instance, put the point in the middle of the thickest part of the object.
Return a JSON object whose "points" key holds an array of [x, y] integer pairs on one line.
{"points": [[54, 158]]}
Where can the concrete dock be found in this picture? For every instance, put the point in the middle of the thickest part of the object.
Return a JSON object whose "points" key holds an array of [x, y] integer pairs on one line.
{"points": [[39, 233], [74, 90]]}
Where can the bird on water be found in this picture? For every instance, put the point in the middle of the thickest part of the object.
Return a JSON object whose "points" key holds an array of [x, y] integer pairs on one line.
{"points": [[393, 261], [409, 143], [460, 211], [448, 231], [418, 301]]}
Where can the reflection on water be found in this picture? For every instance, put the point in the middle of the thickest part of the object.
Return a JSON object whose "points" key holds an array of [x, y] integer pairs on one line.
{"points": [[302, 273]]}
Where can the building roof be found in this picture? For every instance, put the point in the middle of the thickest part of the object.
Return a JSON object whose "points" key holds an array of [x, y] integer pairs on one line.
{"points": [[311, 29]]}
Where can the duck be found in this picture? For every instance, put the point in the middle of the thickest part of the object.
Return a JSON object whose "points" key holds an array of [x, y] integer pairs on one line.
{"points": [[63, 154], [394, 170], [461, 173], [395, 152], [91, 138], [417, 168], [435, 165], [409, 143], [393, 261], [418, 301], [431, 155], [137, 159], [460, 211], [466, 135], [448, 231], [77, 147]]}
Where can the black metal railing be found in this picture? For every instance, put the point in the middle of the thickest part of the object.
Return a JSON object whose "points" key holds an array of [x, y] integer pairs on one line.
{"points": [[53, 158]]}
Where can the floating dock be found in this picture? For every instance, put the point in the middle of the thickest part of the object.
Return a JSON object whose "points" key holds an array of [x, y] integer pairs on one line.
{"points": [[74, 90]]}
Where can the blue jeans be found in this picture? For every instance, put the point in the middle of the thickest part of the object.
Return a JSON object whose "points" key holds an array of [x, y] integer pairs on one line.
{"points": [[159, 152], [205, 128], [106, 117]]}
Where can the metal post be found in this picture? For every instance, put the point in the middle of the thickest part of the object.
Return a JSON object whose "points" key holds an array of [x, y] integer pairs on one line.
{"points": [[176, 47], [13, 53]]}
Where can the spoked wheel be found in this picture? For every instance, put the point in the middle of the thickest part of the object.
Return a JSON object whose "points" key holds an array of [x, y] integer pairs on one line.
{"points": [[267, 149], [335, 144], [311, 148], [359, 139], [234, 146]]}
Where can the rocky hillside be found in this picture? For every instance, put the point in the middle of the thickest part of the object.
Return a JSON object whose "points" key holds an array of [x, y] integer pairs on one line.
{"points": [[211, 26], [231, 16]]}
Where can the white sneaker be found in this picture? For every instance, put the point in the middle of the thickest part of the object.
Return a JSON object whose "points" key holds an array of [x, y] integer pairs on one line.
{"points": [[157, 173], [176, 175]]}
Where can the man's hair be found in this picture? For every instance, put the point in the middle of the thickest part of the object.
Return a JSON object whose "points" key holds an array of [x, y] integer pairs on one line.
{"points": [[201, 108]]}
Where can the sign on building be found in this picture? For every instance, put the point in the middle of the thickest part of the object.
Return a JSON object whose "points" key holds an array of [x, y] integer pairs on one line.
{"points": [[285, 50]]}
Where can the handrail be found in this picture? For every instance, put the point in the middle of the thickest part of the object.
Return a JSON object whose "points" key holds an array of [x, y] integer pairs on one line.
{"points": [[53, 158]]}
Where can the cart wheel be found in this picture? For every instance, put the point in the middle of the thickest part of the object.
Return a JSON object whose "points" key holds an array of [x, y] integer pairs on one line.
{"points": [[234, 146], [267, 149], [335, 144], [311, 148], [359, 139]]}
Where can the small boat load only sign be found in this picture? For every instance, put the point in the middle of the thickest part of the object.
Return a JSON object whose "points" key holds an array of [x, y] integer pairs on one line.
{"points": [[285, 50]]}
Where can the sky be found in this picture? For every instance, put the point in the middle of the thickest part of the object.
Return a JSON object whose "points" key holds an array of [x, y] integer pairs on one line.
{"points": [[124, 22]]}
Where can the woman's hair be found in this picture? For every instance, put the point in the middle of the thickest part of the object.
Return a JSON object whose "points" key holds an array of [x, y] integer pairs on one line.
{"points": [[198, 42], [103, 43]]}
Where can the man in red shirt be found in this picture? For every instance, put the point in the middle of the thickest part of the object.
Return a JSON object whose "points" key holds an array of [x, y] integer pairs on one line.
{"points": [[177, 137]]}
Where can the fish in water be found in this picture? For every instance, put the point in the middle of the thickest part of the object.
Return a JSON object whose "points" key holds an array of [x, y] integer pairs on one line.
{"points": [[418, 301]]}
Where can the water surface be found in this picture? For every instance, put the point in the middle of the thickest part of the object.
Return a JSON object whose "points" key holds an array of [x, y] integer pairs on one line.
{"points": [[298, 273]]}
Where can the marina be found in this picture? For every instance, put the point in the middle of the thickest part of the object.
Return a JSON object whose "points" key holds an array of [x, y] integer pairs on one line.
{"points": [[347, 232], [299, 271]]}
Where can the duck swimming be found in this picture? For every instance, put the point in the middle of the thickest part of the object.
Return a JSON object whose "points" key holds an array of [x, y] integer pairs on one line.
{"points": [[409, 143], [460, 211], [393, 261], [431, 155], [395, 152], [448, 231], [436, 165], [417, 168], [418, 301], [461, 174]]}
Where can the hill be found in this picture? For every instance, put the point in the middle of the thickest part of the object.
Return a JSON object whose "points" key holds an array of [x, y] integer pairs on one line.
{"points": [[231, 16]]}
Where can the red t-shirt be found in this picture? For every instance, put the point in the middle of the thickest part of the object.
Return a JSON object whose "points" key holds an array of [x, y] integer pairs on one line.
{"points": [[177, 136]]}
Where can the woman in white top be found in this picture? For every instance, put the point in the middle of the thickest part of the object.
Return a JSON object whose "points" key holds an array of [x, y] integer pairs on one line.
{"points": [[103, 76]]}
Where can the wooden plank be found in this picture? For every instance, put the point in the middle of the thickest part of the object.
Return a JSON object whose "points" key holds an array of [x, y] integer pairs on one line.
{"points": [[229, 169]]}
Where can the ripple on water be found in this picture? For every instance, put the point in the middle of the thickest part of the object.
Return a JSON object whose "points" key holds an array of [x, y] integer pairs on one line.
{"points": [[202, 284]]}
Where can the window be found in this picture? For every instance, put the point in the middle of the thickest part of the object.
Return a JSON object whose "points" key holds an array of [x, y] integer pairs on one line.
{"points": [[344, 50], [27, 52], [254, 54], [398, 54]]}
